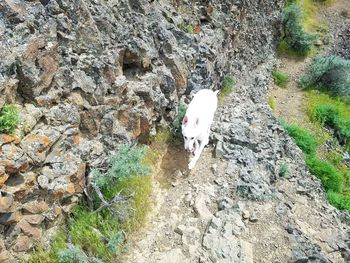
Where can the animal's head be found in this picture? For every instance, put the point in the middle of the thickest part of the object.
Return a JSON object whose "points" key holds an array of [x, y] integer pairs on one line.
{"points": [[190, 133]]}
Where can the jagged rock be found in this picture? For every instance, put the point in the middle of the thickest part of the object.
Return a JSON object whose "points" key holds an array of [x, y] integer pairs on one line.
{"points": [[33, 219], [63, 114], [23, 243], [64, 175], [6, 202], [35, 207], [29, 230], [201, 208], [29, 116], [3, 176], [23, 185], [10, 218], [38, 143], [13, 159], [4, 256], [7, 138]]}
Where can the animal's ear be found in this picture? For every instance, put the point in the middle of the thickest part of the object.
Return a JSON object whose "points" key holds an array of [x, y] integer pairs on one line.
{"points": [[185, 120], [197, 121]]}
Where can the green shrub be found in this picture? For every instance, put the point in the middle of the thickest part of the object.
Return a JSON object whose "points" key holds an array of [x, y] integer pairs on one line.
{"points": [[331, 73], [304, 139], [280, 78], [9, 118], [72, 255], [283, 170], [328, 114], [126, 162], [293, 33], [331, 179], [339, 200], [227, 86]]}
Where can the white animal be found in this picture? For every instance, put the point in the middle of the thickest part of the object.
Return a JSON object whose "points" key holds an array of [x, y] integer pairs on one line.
{"points": [[197, 121]]}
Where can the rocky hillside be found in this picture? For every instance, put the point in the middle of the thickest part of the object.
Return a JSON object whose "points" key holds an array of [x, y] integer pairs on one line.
{"points": [[88, 75]]}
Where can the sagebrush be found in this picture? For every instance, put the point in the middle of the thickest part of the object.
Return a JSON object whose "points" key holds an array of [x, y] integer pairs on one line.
{"points": [[294, 34], [330, 73]]}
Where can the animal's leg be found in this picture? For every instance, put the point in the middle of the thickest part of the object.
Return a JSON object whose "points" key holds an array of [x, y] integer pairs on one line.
{"points": [[196, 156]]}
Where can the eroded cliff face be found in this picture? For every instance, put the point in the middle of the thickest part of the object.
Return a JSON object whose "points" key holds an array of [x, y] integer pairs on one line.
{"points": [[91, 74]]}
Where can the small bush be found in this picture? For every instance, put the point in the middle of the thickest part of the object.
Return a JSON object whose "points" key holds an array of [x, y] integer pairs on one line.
{"points": [[9, 118], [176, 125], [283, 170], [280, 78], [326, 114], [227, 86], [126, 162], [72, 255], [304, 139], [293, 33], [331, 179], [331, 73]]}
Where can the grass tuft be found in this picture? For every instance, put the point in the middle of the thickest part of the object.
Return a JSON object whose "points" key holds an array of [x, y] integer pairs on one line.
{"points": [[283, 170], [272, 102], [227, 86], [302, 137], [280, 78]]}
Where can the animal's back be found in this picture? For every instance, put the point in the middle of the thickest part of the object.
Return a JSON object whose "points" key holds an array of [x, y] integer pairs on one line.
{"points": [[204, 103]]}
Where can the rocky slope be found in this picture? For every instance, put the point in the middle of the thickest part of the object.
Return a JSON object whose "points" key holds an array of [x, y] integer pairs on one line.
{"points": [[90, 74]]}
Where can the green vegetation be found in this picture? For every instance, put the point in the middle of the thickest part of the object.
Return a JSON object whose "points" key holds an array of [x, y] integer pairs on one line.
{"points": [[9, 118], [330, 177], [283, 170], [294, 35], [43, 255], [272, 102], [227, 86], [280, 78], [333, 174], [303, 138], [72, 254], [330, 73], [175, 128], [331, 112], [186, 27], [117, 207]]}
